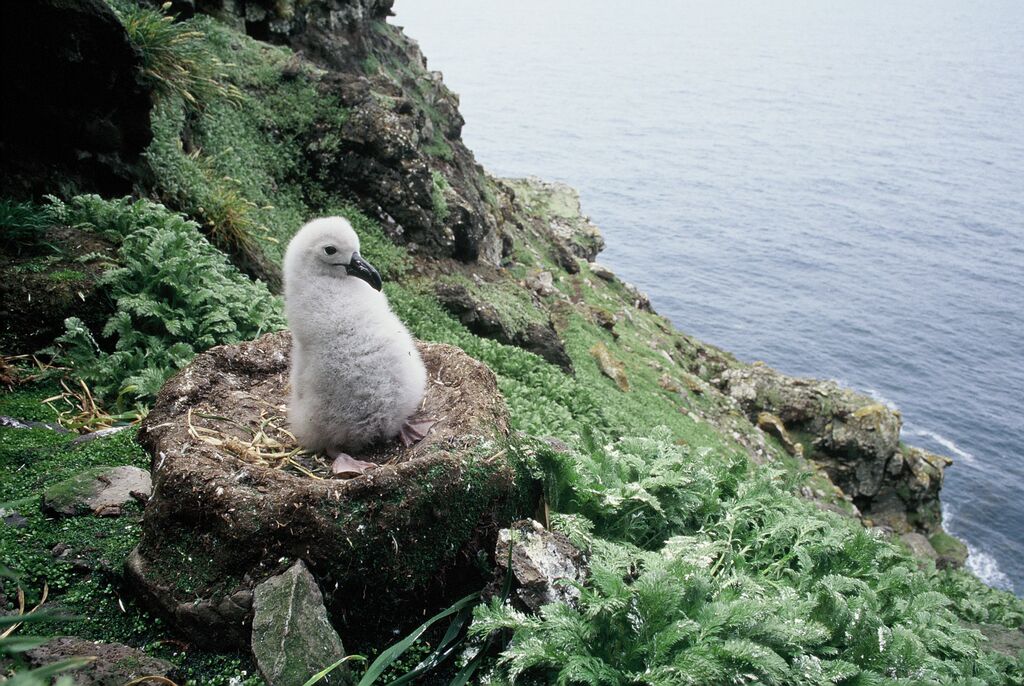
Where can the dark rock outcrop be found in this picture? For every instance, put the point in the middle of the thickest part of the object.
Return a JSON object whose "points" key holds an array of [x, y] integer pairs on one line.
{"points": [[76, 108], [484, 319], [398, 154], [391, 544], [41, 287]]}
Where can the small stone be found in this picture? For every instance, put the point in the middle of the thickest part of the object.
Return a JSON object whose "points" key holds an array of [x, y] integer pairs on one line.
{"points": [[602, 272], [542, 561], [12, 423], [694, 383], [13, 519], [292, 638], [115, 664], [603, 318], [609, 366], [919, 546], [771, 424], [542, 283], [669, 384], [641, 300], [102, 490], [102, 433]]}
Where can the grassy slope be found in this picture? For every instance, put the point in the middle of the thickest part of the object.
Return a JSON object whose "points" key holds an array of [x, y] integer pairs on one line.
{"points": [[247, 166]]}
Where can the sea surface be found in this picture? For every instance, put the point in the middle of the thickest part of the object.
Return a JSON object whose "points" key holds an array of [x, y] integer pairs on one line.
{"points": [[833, 187]]}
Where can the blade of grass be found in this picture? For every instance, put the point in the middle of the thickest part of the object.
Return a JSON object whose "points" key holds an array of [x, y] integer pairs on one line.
{"points": [[327, 670], [385, 659]]}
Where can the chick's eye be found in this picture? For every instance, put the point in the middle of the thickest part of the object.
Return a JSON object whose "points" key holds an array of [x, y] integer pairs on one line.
{"points": [[330, 250]]}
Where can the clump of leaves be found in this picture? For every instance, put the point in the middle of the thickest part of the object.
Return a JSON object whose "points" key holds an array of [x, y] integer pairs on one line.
{"points": [[740, 582], [174, 293], [22, 222], [176, 58], [438, 188]]}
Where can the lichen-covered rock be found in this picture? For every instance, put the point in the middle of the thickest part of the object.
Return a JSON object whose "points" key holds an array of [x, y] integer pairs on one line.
{"points": [[919, 546], [908, 496], [292, 637], [542, 562], [559, 205], [112, 664], [485, 319], [602, 272], [772, 425], [388, 545], [842, 422], [854, 438], [100, 490], [609, 366]]}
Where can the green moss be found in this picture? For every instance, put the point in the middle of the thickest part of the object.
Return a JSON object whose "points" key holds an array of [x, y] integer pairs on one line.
{"points": [[948, 546], [84, 581], [27, 404], [371, 65], [33, 460], [440, 148], [37, 265], [67, 275]]}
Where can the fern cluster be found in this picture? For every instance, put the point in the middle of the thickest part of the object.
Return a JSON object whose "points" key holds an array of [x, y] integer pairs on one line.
{"points": [[174, 295], [706, 573]]}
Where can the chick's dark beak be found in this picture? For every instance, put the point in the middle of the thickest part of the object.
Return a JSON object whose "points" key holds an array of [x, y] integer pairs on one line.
{"points": [[361, 269]]}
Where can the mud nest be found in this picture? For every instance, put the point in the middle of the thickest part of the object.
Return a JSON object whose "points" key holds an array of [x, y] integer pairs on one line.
{"points": [[235, 498], [244, 414]]}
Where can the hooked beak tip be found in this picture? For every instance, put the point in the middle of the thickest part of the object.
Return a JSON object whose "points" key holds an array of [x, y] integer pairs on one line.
{"points": [[361, 269]]}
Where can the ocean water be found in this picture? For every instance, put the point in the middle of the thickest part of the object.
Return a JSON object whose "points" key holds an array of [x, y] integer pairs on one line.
{"points": [[834, 187]]}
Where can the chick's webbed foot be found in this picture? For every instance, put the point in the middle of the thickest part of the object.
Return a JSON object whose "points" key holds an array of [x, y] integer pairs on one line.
{"points": [[415, 430], [346, 466]]}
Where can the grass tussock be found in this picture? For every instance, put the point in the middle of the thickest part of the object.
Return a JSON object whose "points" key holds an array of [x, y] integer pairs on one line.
{"points": [[176, 58]]}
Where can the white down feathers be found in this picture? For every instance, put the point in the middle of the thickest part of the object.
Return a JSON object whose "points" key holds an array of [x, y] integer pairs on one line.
{"points": [[356, 375]]}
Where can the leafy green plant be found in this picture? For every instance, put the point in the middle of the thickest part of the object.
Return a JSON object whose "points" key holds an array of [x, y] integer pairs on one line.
{"points": [[737, 581], [22, 222], [439, 186], [176, 58], [174, 294]]}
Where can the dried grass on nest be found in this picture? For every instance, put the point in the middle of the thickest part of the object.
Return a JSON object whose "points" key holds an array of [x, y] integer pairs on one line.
{"points": [[269, 444]]}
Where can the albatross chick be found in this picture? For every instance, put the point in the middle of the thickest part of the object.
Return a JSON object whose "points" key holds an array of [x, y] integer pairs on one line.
{"points": [[356, 375]]}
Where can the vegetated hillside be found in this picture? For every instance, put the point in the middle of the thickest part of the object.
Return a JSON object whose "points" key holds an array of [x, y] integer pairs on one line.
{"points": [[742, 527]]}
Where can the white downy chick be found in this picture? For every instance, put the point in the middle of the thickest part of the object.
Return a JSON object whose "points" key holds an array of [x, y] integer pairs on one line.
{"points": [[356, 376]]}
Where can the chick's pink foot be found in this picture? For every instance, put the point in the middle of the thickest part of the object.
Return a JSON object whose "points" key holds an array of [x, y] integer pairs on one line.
{"points": [[346, 466], [415, 430]]}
